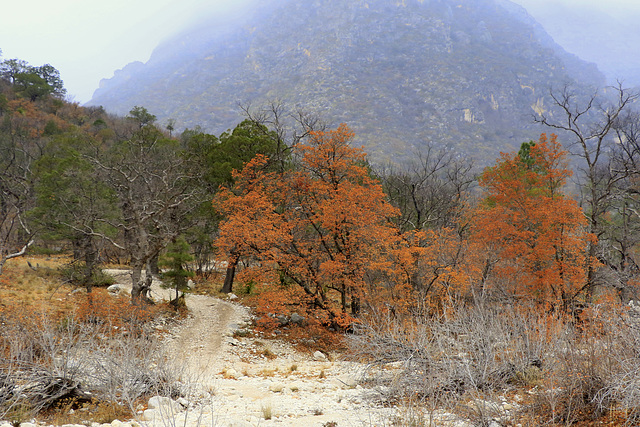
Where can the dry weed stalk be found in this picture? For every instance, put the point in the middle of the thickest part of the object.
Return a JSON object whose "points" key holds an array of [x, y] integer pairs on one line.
{"points": [[49, 364], [467, 359]]}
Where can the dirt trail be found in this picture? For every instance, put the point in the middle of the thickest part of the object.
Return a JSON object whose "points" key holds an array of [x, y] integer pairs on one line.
{"points": [[244, 381], [198, 341]]}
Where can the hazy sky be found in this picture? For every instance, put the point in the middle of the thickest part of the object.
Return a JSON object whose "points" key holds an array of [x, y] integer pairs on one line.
{"points": [[614, 7], [88, 40]]}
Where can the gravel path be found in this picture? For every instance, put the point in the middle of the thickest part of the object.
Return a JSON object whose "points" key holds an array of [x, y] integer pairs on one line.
{"points": [[249, 381], [198, 341]]}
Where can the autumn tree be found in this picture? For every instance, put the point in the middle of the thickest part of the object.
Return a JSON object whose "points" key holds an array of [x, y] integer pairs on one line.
{"points": [[212, 160], [318, 227], [536, 240]]}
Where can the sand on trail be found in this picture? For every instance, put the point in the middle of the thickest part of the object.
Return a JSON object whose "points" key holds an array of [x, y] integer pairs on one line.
{"points": [[248, 379], [198, 341]]}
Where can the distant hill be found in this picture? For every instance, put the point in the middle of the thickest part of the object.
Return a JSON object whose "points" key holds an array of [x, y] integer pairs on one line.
{"points": [[464, 74], [606, 33]]}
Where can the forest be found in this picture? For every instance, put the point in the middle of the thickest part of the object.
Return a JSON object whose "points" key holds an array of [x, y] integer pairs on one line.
{"points": [[527, 268]]}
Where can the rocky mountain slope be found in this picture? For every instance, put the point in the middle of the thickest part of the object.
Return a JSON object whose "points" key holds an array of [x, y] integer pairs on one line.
{"points": [[464, 74]]}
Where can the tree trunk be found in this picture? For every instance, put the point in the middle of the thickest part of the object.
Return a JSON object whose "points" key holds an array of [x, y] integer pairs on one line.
{"points": [[227, 288], [90, 261], [148, 281], [152, 265], [136, 281], [77, 243], [355, 305]]}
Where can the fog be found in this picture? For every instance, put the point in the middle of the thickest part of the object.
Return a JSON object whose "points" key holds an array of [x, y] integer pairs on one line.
{"points": [[614, 7], [603, 32], [88, 40]]}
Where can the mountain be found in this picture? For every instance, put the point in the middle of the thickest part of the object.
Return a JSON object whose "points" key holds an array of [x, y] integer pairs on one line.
{"points": [[463, 74], [606, 33]]}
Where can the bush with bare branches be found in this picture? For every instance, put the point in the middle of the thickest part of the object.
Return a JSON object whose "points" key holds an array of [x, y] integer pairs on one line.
{"points": [[47, 364], [467, 360]]}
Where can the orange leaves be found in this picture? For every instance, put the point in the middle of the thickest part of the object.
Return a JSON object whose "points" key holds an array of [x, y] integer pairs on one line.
{"points": [[530, 232], [253, 223], [319, 236], [437, 264], [320, 226], [329, 157]]}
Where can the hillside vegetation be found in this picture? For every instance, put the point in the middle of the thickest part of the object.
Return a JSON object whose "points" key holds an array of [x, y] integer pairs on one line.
{"points": [[468, 75]]}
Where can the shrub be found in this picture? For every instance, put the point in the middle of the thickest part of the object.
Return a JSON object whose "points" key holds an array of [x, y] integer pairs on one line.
{"points": [[75, 273], [467, 358], [49, 364]]}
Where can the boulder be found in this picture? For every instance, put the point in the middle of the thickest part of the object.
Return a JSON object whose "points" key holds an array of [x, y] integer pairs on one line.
{"points": [[114, 289], [319, 356], [276, 387], [297, 319], [164, 405], [150, 415]]}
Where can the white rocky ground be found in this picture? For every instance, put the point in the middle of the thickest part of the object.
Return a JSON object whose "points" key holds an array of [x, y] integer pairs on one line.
{"points": [[230, 381]]}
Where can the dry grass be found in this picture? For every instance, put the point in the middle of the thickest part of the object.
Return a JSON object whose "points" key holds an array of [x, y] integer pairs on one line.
{"points": [[268, 373], [57, 344], [41, 289], [99, 412], [267, 412], [210, 285], [470, 360], [269, 354]]}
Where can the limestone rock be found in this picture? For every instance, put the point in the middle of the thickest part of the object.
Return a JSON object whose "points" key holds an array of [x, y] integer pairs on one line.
{"points": [[164, 405], [297, 319], [114, 289], [319, 356]]}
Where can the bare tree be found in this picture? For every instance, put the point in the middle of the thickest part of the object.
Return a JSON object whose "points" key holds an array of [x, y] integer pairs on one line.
{"points": [[623, 225], [289, 127], [16, 159], [591, 123], [155, 193], [431, 191]]}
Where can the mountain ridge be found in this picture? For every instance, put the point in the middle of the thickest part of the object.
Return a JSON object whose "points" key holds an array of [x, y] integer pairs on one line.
{"points": [[457, 74]]}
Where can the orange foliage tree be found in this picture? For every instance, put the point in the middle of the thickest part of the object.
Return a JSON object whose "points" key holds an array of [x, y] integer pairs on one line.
{"points": [[318, 228], [533, 237]]}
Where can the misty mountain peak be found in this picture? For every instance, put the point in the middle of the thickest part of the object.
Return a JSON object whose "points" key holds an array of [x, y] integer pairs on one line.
{"points": [[400, 73]]}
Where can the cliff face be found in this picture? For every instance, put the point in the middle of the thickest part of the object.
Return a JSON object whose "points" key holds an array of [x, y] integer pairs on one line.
{"points": [[466, 74]]}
